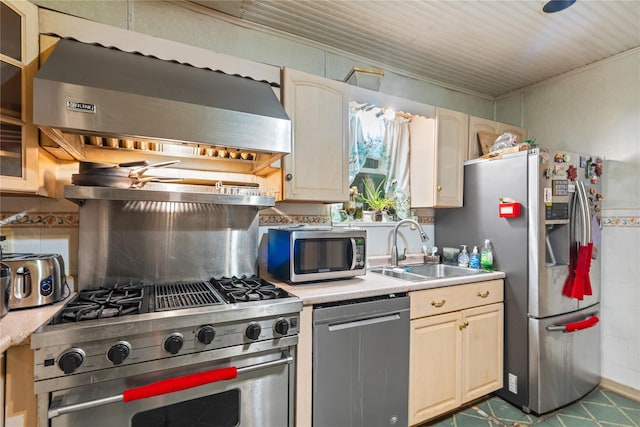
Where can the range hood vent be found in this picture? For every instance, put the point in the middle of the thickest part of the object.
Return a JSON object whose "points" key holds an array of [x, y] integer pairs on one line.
{"points": [[96, 93]]}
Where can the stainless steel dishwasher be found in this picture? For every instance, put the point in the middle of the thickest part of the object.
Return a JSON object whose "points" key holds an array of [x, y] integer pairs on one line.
{"points": [[361, 362]]}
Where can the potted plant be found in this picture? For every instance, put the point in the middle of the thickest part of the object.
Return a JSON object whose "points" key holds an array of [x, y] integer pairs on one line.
{"points": [[375, 200]]}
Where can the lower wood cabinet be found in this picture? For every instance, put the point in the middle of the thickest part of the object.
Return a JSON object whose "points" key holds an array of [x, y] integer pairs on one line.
{"points": [[456, 350]]}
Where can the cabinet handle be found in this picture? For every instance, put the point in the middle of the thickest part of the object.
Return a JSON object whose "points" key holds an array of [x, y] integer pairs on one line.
{"points": [[483, 294], [463, 325], [439, 187], [289, 177], [438, 304]]}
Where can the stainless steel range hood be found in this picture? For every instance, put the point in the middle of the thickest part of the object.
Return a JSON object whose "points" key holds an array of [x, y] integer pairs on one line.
{"points": [[106, 94]]}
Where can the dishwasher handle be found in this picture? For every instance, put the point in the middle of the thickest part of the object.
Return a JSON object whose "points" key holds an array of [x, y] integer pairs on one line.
{"points": [[364, 322]]}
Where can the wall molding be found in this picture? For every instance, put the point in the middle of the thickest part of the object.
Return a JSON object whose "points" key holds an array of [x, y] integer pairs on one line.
{"points": [[271, 220], [621, 389], [35, 219], [71, 219], [620, 221]]}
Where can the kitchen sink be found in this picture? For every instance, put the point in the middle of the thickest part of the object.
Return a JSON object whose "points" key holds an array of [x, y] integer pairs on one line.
{"points": [[442, 270], [417, 273], [398, 273]]}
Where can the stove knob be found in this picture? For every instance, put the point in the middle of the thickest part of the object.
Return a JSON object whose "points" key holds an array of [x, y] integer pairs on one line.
{"points": [[206, 334], [281, 326], [71, 360], [253, 331], [118, 352], [173, 343]]}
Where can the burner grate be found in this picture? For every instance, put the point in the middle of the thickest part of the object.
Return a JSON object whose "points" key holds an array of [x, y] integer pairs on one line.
{"points": [[117, 301], [172, 296], [246, 289]]}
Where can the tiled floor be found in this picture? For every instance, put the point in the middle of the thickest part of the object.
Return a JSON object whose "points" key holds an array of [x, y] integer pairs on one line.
{"points": [[599, 408]]}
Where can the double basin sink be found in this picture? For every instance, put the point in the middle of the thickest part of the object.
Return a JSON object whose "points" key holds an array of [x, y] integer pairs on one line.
{"points": [[422, 272]]}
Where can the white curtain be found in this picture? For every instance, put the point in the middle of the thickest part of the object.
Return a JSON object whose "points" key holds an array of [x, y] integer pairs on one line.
{"points": [[396, 143], [387, 141], [366, 137]]}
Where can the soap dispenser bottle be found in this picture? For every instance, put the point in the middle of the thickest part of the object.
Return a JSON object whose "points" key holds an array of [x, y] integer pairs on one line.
{"points": [[463, 257], [474, 259], [486, 257]]}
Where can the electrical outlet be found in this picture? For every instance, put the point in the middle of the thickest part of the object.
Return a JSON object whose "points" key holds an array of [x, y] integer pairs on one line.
{"points": [[7, 243]]}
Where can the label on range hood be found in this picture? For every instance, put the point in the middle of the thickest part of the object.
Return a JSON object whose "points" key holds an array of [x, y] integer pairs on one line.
{"points": [[81, 107]]}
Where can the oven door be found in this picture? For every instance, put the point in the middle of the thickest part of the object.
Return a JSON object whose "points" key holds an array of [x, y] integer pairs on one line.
{"points": [[260, 394]]}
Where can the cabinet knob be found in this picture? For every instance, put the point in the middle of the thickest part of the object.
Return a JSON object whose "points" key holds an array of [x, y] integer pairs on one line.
{"points": [[439, 188], [289, 177], [438, 304], [463, 325], [483, 294]]}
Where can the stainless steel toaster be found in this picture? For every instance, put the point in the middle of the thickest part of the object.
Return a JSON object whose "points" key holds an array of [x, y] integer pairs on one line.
{"points": [[35, 279]]}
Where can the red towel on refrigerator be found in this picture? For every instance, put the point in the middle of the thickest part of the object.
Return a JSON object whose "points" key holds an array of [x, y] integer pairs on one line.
{"points": [[582, 282], [568, 283]]}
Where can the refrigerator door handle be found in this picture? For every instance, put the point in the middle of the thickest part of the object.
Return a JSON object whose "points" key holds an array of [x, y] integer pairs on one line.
{"points": [[575, 326], [584, 212]]}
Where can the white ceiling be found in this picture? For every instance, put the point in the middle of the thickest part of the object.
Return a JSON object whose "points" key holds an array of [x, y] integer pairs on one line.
{"points": [[481, 46]]}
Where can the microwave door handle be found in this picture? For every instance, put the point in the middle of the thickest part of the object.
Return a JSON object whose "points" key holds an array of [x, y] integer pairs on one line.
{"points": [[353, 254]]}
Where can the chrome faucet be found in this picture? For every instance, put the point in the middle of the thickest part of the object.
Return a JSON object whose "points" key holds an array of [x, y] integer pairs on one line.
{"points": [[394, 249]]}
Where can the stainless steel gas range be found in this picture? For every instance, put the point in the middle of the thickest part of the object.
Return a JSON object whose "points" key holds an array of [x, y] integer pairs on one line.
{"points": [[171, 339], [134, 352]]}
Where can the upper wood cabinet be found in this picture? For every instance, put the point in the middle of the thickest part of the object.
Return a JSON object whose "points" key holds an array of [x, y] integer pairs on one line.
{"points": [[317, 170], [477, 124], [19, 62], [438, 151]]}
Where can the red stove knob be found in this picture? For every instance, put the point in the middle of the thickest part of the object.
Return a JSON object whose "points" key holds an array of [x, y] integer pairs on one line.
{"points": [[281, 326], [206, 334], [71, 360], [253, 331], [173, 343], [119, 352]]}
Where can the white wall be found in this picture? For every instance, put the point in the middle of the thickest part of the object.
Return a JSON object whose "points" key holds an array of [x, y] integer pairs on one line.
{"points": [[597, 110]]}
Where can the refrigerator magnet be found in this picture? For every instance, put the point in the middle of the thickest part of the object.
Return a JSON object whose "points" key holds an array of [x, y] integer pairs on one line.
{"points": [[548, 198]]}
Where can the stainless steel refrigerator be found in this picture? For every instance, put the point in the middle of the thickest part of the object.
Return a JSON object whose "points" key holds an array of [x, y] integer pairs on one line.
{"points": [[552, 340]]}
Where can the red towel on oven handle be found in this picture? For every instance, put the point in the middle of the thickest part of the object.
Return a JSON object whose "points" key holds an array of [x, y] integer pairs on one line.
{"points": [[179, 383], [583, 324]]}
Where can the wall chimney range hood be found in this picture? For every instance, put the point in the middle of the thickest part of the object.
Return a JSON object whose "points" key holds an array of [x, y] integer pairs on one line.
{"points": [[90, 95]]}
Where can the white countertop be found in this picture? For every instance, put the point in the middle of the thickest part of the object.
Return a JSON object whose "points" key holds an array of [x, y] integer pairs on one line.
{"points": [[16, 327], [369, 285]]}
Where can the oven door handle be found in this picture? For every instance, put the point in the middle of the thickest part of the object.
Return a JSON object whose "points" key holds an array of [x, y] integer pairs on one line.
{"points": [[167, 386]]}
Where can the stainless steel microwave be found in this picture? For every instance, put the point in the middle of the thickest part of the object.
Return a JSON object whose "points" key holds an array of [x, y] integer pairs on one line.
{"points": [[303, 254]]}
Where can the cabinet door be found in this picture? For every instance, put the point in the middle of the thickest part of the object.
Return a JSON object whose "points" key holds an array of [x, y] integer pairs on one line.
{"points": [[317, 168], [452, 137], [482, 355], [19, 62], [434, 373]]}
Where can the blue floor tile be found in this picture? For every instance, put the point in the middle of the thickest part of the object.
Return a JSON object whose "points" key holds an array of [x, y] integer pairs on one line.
{"points": [[600, 408]]}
